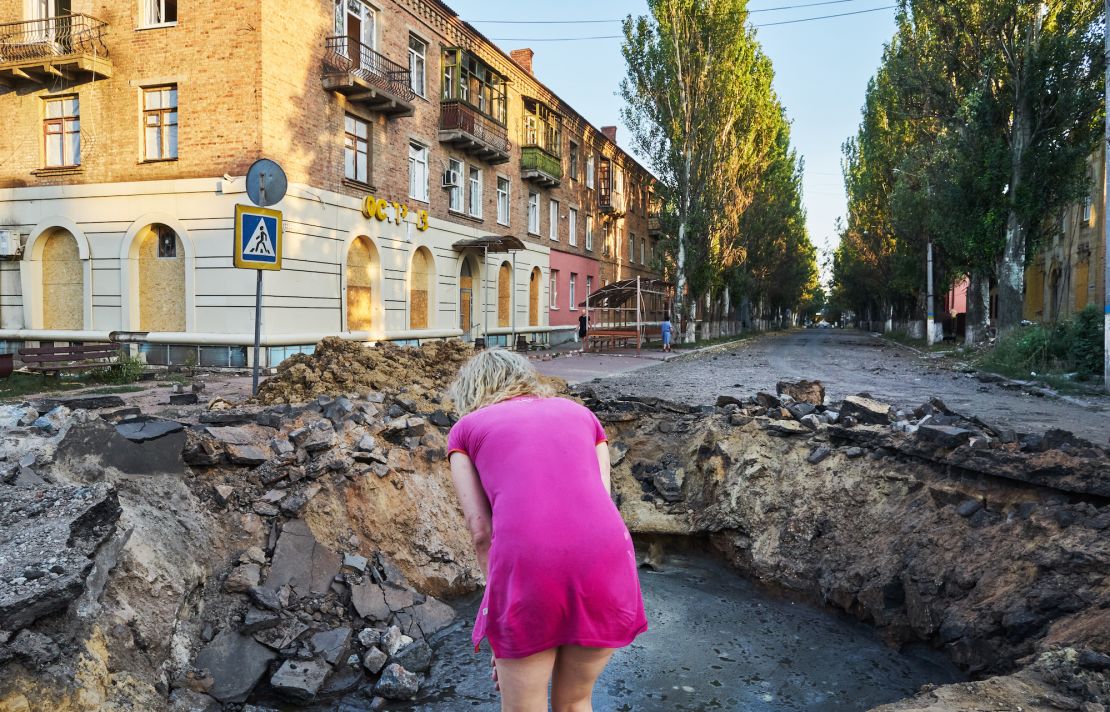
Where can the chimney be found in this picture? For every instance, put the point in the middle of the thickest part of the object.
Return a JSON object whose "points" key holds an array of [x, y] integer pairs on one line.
{"points": [[523, 57], [610, 133]]}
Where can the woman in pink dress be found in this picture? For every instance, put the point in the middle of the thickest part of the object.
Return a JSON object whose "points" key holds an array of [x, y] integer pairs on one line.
{"points": [[532, 475]]}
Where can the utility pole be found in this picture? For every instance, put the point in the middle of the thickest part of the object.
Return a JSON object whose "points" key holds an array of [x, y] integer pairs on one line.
{"points": [[1106, 225], [929, 310]]}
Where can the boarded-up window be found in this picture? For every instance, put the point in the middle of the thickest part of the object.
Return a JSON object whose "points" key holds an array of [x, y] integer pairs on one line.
{"points": [[504, 294], [361, 262], [420, 283], [161, 280], [63, 283], [534, 297], [466, 299]]}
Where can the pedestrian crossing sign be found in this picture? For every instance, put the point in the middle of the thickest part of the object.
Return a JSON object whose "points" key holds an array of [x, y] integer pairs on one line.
{"points": [[257, 238]]}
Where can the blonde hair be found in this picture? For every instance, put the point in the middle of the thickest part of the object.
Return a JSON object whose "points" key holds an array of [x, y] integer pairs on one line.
{"points": [[494, 376]]}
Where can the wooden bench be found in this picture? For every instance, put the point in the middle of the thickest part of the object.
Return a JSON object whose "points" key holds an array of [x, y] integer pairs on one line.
{"points": [[74, 357]]}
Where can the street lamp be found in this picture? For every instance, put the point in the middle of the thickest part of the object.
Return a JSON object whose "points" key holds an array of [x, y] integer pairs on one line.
{"points": [[930, 315]]}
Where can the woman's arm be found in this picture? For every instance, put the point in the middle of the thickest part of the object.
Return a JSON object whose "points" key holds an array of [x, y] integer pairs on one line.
{"points": [[475, 506], [603, 464]]}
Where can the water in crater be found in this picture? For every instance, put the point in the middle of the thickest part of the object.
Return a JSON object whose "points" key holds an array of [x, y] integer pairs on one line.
{"points": [[715, 642]]}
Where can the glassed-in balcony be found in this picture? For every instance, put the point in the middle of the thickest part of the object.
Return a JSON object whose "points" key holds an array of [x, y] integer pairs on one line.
{"points": [[540, 167], [367, 77], [68, 47]]}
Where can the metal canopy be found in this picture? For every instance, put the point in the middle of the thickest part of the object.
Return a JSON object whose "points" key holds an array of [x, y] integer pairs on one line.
{"points": [[491, 243], [615, 295]]}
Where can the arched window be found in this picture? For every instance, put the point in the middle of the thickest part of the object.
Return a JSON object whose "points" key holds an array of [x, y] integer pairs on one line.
{"points": [[161, 266], [504, 294], [534, 297], [63, 283], [362, 267], [420, 288]]}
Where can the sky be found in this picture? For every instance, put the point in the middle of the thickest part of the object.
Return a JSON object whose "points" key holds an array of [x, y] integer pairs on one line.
{"points": [[821, 73]]}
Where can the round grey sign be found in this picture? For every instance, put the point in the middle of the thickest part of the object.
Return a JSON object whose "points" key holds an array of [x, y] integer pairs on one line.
{"points": [[266, 182]]}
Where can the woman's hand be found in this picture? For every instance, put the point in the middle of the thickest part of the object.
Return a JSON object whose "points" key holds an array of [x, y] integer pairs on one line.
{"points": [[493, 675]]}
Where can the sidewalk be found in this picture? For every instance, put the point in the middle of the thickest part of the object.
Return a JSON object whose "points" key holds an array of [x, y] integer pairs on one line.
{"points": [[569, 362]]}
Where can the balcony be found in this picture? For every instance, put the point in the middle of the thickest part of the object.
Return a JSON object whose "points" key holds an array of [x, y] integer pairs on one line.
{"points": [[475, 134], [69, 47], [367, 77], [655, 225], [610, 203], [540, 167]]}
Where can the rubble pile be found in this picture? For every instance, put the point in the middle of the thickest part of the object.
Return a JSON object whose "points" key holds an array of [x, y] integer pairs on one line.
{"points": [[932, 526], [266, 555], [417, 374]]}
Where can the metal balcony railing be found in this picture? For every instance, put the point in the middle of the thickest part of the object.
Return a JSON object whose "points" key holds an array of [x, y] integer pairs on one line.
{"points": [[51, 37], [460, 116], [537, 158], [348, 56]]}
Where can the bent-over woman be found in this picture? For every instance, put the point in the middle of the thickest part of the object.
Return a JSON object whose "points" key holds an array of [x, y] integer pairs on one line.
{"points": [[532, 475]]}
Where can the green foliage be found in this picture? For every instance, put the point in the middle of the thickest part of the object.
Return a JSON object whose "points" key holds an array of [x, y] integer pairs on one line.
{"points": [[127, 369], [700, 103], [974, 134], [1073, 345]]}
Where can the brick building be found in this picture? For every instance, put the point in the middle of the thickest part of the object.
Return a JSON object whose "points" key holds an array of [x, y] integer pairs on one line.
{"points": [[408, 139], [1069, 273]]}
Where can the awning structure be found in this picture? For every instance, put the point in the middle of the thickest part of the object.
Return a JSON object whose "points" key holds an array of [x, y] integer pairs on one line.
{"points": [[617, 294], [491, 243]]}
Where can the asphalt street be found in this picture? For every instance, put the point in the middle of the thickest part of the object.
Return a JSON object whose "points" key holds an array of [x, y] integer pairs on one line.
{"points": [[848, 362]]}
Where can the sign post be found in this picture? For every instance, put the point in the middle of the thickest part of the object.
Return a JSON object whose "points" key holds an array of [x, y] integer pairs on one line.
{"points": [[258, 237]]}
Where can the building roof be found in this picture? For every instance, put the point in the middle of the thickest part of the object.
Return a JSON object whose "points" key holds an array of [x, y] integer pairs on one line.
{"points": [[617, 294]]}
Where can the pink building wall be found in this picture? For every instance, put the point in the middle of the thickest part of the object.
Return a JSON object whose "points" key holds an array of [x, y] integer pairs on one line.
{"points": [[563, 264], [955, 301]]}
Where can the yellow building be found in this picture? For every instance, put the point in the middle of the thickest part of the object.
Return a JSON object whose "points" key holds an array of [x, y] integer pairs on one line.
{"points": [[1069, 273]]}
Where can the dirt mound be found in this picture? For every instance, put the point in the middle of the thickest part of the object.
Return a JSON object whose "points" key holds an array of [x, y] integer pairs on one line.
{"points": [[341, 367]]}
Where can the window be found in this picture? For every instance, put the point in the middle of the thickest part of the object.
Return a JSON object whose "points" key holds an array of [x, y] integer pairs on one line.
{"points": [[570, 292], [418, 172], [553, 220], [590, 233], [159, 12], [631, 247], [619, 180], [167, 242], [590, 171], [475, 182], [589, 286], [160, 123], [62, 130], [643, 251], [455, 192], [542, 127], [358, 22], [605, 183], [356, 149], [468, 79], [572, 227], [554, 289], [1087, 198], [572, 161], [618, 242], [418, 50], [502, 200], [534, 213]]}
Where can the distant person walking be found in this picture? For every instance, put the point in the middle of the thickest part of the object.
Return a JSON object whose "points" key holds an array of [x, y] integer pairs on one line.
{"points": [[665, 331], [583, 327], [532, 475]]}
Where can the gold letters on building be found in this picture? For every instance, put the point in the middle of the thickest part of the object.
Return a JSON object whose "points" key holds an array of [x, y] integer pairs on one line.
{"points": [[393, 212]]}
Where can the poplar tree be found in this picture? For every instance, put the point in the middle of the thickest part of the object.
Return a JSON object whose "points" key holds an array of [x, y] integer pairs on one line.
{"points": [[700, 106]]}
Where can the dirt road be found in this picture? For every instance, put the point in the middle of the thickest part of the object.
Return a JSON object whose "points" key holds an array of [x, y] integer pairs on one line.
{"points": [[850, 362]]}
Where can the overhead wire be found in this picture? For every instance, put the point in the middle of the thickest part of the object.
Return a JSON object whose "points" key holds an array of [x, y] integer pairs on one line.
{"points": [[600, 22], [764, 24]]}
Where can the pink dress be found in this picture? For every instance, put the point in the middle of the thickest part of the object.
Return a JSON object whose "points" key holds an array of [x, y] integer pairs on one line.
{"points": [[562, 570]]}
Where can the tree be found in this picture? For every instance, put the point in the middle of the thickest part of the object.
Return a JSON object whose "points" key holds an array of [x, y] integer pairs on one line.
{"points": [[699, 102]]}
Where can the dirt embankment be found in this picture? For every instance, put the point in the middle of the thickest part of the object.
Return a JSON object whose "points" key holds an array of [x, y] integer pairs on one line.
{"points": [[929, 526]]}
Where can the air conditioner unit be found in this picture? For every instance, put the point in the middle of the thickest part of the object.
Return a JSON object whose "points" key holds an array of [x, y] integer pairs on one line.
{"points": [[11, 244], [450, 179]]}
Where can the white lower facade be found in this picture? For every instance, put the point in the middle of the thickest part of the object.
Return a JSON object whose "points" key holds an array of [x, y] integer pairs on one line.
{"points": [[93, 268]]}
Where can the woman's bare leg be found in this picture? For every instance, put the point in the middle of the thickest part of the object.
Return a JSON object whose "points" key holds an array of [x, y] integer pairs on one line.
{"points": [[524, 681], [576, 672]]}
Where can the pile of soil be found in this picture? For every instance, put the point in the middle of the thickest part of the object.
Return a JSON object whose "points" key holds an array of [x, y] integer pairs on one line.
{"points": [[340, 367]]}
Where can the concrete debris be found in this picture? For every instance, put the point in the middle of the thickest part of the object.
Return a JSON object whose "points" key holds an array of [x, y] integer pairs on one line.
{"points": [[865, 410], [302, 562], [811, 392], [374, 660], [397, 683], [236, 664], [300, 679], [141, 429]]}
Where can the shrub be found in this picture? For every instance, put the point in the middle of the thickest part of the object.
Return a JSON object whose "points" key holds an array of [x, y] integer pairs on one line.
{"points": [[128, 369], [1072, 345]]}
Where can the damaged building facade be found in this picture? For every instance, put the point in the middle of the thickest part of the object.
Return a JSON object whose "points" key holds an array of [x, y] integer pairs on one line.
{"points": [[408, 139]]}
